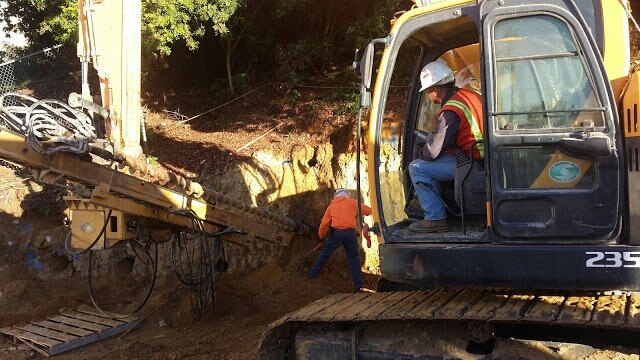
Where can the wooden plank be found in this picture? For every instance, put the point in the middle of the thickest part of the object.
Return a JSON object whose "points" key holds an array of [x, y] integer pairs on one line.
{"points": [[60, 348], [62, 327], [78, 323], [34, 347], [92, 311], [91, 318], [61, 333], [40, 340], [56, 335]]}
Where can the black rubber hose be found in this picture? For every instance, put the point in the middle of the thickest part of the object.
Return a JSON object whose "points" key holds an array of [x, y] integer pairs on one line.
{"points": [[147, 295]]}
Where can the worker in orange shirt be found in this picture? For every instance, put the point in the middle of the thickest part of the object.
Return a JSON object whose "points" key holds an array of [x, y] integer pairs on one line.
{"points": [[340, 217]]}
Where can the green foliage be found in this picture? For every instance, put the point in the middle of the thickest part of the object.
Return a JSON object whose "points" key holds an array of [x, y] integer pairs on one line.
{"points": [[43, 22], [286, 7], [9, 53], [241, 81], [153, 160], [284, 40], [294, 95], [300, 57], [347, 102], [167, 21], [63, 27], [376, 24]]}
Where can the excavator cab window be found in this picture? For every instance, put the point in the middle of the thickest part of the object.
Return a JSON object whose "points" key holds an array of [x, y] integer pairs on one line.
{"points": [[542, 85]]}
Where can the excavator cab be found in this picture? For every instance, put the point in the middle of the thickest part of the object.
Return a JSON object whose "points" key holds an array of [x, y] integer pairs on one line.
{"points": [[548, 197]]}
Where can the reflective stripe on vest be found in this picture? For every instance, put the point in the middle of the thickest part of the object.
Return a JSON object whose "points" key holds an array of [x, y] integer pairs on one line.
{"points": [[473, 124]]}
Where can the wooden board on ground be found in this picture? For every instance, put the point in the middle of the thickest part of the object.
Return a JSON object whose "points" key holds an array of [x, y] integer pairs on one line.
{"points": [[69, 330]]}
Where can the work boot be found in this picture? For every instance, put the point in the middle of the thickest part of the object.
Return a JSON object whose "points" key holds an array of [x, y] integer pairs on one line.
{"points": [[429, 226]]}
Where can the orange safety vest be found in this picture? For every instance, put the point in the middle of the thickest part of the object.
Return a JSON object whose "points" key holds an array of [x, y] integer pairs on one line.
{"points": [[468, 106]]}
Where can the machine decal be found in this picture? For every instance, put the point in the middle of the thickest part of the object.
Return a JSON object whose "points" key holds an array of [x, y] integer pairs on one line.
{"points": [[564, 171], [628, 259]]}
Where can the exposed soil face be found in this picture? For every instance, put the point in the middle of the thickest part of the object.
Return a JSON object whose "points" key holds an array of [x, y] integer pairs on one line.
{"points": [[635, 37]]}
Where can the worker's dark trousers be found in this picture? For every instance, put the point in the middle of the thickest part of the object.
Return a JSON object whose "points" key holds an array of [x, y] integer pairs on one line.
{"points": [[349, 239]]}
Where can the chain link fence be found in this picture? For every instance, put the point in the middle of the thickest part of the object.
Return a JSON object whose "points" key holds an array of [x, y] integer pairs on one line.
{"points": [[52, 73]]}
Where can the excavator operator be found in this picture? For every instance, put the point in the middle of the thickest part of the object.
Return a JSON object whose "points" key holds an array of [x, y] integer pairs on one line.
{"points": [[458, 125]]}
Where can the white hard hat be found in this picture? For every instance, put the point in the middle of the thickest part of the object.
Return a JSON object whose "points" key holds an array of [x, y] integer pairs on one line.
{"points": [[342, 192], [435, 73]]}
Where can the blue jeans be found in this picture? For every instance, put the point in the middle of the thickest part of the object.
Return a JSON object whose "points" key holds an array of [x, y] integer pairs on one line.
{"points": [[425, 176], [347, 238]]}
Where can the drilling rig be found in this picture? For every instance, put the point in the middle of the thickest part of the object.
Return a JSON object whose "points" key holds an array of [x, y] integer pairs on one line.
{"points": [[91, 146]]}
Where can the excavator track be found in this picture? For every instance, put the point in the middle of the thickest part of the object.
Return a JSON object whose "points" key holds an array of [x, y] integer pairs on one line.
{"points": [[354, 311]]}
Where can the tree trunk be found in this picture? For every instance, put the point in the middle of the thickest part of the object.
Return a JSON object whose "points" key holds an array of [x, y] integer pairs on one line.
{"points": [[329, 20], [229, 71], [231, 46]]}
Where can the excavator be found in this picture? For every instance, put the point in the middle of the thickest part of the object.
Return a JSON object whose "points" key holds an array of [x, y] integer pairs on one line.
{"points": [[541, 259]]}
